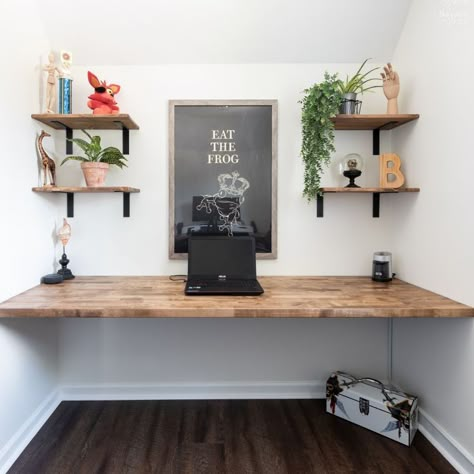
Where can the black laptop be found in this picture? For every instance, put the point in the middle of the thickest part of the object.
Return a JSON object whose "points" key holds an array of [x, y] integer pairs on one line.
{"points": [[221, 265]]}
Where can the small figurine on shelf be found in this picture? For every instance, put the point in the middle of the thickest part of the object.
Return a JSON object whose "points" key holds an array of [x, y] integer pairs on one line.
{"points": [[391, 88], [64, 235], [102, 100], [52, 71], [65, 84], [48, 165]]}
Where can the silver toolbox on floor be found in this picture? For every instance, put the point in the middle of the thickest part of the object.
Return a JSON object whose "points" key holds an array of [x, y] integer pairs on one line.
{"points": [[371, 404]]}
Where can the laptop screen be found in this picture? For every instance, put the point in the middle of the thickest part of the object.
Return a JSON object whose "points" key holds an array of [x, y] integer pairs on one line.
{"points": [[214, 256]]}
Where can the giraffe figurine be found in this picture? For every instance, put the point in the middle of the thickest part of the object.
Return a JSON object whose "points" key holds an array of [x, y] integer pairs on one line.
{"points": [[48, 165]]}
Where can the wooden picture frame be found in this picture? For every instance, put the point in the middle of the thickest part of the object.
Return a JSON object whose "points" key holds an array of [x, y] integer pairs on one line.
{"points": [[223, 172]]}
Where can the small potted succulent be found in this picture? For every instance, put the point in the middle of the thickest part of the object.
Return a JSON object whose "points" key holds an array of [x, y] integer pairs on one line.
{"points": [[97, 160], [357, 84]]}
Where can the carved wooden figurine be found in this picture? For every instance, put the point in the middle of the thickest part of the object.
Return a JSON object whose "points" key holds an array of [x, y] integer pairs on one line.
{"points": [[47, 164], [391, 88], [52, 71]]}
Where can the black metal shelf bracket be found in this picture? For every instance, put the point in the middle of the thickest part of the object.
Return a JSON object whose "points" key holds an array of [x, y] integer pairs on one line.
{"points": [[70, 204], [126, 204], [125, 138], [376, 136], [376, 205], [320, 205], [376, 141], [69, 136]]}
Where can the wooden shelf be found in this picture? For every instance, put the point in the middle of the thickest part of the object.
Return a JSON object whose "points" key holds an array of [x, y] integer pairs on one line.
{"points": [[71, 190], [284, 297], [370, 190], [372, 122], [83, 189], [376, 192], [70, 122], [87, 121]]}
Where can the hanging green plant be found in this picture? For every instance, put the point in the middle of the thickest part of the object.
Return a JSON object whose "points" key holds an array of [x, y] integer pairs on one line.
{"points": [[320, 103]]}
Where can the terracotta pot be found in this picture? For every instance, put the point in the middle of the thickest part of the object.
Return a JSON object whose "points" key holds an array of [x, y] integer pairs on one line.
{"points": [[95, 173]]}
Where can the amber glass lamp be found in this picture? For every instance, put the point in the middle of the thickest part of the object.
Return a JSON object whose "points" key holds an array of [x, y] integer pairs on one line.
{"points": [[64, 234]]}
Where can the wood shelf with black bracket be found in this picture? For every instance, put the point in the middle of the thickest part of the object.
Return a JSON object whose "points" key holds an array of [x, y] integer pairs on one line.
{"points": [[376, 123], [71, 190], [70, 122], [376, 192]]}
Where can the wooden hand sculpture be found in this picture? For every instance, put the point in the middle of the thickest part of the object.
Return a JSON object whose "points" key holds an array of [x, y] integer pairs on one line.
{"points": [[391, 88]]}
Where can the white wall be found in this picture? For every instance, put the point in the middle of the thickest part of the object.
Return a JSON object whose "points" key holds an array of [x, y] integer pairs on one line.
{"points": [[435, 242], [341, 243], [28, 349]]}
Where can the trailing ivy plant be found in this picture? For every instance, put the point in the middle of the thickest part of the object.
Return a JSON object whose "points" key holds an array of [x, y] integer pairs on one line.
{"points": [[320, 103]]}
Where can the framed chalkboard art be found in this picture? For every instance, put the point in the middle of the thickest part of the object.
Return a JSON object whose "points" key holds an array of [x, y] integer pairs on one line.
{"points": [[223, 172]]}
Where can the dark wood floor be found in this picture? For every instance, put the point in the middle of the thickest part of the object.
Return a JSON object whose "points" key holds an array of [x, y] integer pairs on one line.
{"points": [[227, 436]]}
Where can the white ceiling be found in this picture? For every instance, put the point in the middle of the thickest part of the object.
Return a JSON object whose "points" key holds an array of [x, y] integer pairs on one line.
{"points": [[224, 31]]}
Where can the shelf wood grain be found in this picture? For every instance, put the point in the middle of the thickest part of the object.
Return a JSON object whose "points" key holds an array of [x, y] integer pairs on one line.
{"points": [[87, 121], [371, 122], [284, 297], [80, 189], [370, 190]]}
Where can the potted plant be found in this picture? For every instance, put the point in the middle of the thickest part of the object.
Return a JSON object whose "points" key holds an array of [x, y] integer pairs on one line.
{"points": [[357, 84], [320, 103], [97, 160]]}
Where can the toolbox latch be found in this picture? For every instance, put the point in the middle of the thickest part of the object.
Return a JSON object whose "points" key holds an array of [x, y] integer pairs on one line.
{"points": [[364, 406]]}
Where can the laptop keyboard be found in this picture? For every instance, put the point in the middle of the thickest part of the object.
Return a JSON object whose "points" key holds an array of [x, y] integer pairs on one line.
{"points": [[228, 284]]}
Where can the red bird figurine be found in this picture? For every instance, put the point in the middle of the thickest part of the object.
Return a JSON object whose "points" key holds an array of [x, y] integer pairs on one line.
{"points": [[102, 100]]}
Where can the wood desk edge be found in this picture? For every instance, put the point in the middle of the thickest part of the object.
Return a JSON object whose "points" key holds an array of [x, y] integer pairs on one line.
{"points": [[285, 297]]}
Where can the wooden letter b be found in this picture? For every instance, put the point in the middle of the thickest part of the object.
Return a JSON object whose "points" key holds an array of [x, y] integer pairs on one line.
{"points": [[394, 170]]}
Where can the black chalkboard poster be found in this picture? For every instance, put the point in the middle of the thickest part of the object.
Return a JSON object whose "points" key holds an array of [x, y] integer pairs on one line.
{"points": [[223, 172]]}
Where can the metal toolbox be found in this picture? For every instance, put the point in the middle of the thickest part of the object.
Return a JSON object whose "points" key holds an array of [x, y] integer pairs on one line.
{"points": [[369, 403]]}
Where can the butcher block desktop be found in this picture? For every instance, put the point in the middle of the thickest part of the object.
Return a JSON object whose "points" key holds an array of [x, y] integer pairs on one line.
{"points": [[284, 297]]}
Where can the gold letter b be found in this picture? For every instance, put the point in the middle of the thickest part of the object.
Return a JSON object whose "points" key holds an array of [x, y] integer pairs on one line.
{"points": [[386, 170]]}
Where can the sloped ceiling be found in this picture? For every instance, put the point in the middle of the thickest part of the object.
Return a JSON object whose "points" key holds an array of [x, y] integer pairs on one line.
{"points": [[137, 32]]}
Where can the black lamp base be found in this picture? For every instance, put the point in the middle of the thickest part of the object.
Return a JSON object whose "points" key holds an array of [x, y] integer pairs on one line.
{"points": [[352, 175], [64, 271]]}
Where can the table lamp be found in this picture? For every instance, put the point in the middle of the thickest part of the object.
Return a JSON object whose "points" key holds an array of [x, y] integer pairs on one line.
{"points": [[64, 234]]}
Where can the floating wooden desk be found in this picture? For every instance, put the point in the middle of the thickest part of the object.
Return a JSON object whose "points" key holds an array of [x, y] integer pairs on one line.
{"points": [[284, 297]]}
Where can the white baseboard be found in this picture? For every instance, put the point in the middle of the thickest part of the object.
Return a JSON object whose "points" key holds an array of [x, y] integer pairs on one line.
{"points": [[455, 454], [186, 391], [18, 442]]}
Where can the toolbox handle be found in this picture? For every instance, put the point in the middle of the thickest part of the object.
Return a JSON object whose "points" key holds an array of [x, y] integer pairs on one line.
{"points": [[368, 379], [383, 388]]}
